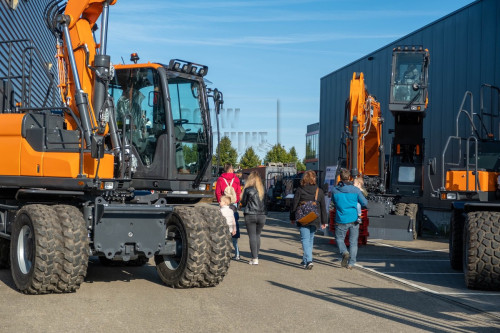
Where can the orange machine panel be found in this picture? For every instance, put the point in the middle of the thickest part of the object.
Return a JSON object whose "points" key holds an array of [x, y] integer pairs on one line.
{"points": [[31, 161], [62, 164], [10, 143], [67, 165], [456, 181]]}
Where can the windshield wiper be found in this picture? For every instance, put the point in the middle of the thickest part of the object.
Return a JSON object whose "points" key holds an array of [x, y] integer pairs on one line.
{"points": [[412, 100]]}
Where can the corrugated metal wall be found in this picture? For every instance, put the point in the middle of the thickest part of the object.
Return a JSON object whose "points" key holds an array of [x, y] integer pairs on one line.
{"points": [[27, 22], [465, 53]]}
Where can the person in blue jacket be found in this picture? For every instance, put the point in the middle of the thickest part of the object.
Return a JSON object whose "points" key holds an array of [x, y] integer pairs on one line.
{"points": [[345, 198]]}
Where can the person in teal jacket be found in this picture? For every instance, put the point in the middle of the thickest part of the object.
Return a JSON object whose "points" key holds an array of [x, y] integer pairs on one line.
{"points": [[345, 199]]}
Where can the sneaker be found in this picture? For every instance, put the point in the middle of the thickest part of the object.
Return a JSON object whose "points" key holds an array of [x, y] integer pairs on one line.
{"points": [[236, 257], [345, 259], [309, 265], [253, 261]]}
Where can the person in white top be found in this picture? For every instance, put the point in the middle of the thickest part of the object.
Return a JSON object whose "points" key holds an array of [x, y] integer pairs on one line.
{"points": [[228, 213]]}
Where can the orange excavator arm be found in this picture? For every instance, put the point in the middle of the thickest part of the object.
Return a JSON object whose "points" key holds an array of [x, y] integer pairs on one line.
{"points": [[84, 68], [88, 10], [364, 131]]}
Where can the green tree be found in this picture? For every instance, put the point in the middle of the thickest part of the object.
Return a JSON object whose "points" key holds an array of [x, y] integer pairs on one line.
{"points": [[293, 155], [295, 159], [228, 154], [300, 166], [190, 154], [278, 154], [249, 159]]}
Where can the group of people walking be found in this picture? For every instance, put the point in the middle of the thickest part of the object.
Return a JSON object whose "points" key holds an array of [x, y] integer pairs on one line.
{"points": [[308, 212], [251, 202]]}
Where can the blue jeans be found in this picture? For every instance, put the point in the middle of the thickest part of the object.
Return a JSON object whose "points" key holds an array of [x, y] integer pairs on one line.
{"points": [[236, 248], [307, 238], [340, 233]]}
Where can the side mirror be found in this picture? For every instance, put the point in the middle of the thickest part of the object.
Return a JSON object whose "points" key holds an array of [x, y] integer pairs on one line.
{"points": [[432, 166]]}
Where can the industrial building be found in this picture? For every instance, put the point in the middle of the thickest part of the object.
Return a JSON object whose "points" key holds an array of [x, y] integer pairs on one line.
{"points": [[23, 34], [464, 51]]}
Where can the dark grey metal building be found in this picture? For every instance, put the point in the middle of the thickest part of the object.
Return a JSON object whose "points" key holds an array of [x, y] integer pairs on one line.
{"points": [[24, 20], [465, 52]]}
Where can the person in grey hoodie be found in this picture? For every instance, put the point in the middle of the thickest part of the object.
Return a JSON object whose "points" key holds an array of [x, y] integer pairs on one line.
{"points": [[345, 199]]}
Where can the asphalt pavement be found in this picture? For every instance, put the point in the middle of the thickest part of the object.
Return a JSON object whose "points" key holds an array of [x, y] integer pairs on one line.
{"points": [[275, 296]]}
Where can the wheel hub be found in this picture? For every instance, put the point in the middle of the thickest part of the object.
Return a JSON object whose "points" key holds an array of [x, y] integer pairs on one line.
{"points": [[25, 249]]}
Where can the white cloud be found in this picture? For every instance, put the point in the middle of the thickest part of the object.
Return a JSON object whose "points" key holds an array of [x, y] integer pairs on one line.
{"points": [[135, 33]]}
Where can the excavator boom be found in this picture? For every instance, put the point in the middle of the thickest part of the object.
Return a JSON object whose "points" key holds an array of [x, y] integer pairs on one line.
{"points": [[364, 147]]}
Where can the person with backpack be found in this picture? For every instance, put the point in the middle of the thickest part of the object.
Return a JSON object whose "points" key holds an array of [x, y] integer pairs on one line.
{"points": [[255, 212], [308, 200], [228, 184]]}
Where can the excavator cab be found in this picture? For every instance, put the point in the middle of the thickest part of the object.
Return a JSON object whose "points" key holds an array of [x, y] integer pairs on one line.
{"points": [[408, 103], [409, 79], [163, 111]]}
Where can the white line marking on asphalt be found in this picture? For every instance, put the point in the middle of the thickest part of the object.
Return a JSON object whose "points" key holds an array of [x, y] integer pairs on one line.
{"points": [[390, 277], [420, 260], [398, 279], [475, 294], [407, 250], [420, 273]]}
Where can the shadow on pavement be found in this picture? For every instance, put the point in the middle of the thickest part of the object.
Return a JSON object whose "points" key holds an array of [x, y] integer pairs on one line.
{"points": [[398, 306], [97, 272]]}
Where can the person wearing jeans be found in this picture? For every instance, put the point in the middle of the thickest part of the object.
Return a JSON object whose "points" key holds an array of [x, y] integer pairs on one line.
{"points": [[307, 238], [345, 199], [307, 192], [254, 210], [341, 230]]}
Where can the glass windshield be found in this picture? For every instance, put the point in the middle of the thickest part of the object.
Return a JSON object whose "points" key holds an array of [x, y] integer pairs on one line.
{"points": [[189, 129], [407, 72], [139, 107]]}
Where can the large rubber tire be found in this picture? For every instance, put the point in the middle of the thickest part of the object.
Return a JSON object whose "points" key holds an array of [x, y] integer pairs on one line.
{"points": [[482, 250], [411, 211], [220, 245], [456, 242], [4, 253], [186, 269], [400, 209], [73, 250], [420, 220], [33, 249]]}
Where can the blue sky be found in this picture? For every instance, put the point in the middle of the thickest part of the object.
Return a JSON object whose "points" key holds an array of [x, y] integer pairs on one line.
{"points": [[259, 52]]}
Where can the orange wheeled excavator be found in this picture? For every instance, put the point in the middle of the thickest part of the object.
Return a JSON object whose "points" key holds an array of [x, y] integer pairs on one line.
{"points": [[103, 172], [393, 182]]}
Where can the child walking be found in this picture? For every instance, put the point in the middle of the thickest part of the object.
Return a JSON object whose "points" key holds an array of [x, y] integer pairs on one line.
{"points": [[227, 211], [359, 183]]}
